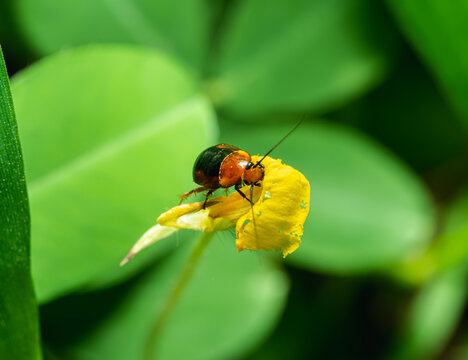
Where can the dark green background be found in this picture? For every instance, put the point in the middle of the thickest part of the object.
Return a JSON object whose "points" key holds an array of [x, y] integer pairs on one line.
{"points": [[114, 100]]}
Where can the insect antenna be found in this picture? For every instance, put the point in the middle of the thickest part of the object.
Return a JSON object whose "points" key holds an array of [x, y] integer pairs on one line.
{"points": [[257, 164], [279, 142], [253, 215]]}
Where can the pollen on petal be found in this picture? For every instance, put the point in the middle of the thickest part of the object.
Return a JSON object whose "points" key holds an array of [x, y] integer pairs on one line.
{"points": [[277, 219]]}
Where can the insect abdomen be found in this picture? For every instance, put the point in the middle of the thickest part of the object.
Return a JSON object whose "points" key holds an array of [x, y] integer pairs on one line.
{"points": [[207, 164]]}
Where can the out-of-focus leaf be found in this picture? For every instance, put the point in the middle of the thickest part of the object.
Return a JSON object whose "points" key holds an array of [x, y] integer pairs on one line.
{"points": [[366, 209], [439, 305], [109, 133], [19, 330], [409, 115], [432, 317], [288, 55], [457, 213], [451, 249], [180, 27], [229, 305], [437, 29]]}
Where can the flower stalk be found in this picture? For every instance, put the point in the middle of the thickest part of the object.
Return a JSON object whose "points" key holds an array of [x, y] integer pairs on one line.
{"points": [[272, 221], [175, 293]]}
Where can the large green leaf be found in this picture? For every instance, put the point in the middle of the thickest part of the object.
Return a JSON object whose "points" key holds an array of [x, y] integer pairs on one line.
{"points": [[19, 330], [437, 29], [229, 305], [110, 134], [288, 55], [180, 27], [366, 209]]}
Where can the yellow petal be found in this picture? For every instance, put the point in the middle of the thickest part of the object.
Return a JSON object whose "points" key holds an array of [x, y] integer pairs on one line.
{"points": [[234, 206], [221, 213], [170, 217], [279, 214], [193, 217]]}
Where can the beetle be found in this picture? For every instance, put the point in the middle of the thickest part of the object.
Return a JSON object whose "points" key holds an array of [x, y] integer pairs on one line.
{"points": [[224, 166]]}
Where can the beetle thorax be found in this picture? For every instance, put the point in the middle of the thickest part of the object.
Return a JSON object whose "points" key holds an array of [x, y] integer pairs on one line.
{"points": [[253, 174], [232, 168]]}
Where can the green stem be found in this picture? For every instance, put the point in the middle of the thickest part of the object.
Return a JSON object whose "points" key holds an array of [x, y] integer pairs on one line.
{"points": [[174, 295]]}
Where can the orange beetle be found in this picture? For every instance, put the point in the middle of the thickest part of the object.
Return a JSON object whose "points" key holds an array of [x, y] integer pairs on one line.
{"points": [[223, 166]]}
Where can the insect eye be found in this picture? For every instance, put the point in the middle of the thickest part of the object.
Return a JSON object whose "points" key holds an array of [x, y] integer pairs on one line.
{"points": [[249, 165]]}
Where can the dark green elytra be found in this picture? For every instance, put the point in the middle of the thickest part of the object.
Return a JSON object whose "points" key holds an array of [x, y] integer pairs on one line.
{"points": [[208, 163]]}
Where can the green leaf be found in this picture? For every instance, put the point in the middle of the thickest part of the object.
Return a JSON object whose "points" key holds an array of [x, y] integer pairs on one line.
{"points": [[409, 115], [432, 317], [229, 305], [180, 27], [457, 213], [450, 250], [366, 208], [439, 305], [437, 30], [278, 55], [19, 330], [110, 134]]}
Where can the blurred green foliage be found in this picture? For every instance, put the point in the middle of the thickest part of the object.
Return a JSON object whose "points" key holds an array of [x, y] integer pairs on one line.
{"points": [[438, 32], [114, 101], [111, 161]]}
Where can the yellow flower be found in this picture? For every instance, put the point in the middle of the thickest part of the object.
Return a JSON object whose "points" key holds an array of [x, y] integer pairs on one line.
{"points": [[275, 222]]}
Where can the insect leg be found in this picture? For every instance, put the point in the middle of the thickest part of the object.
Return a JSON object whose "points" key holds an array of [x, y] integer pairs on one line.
{"points": [[242, 194], [210, 191], [194, 191]]}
